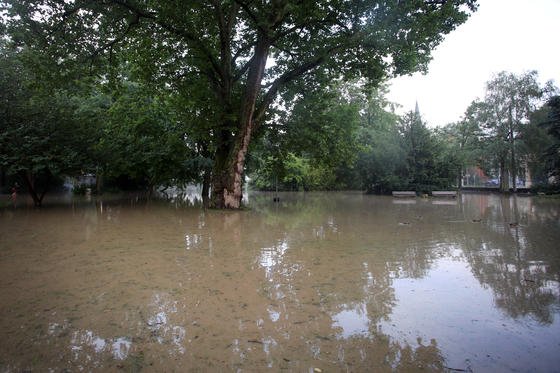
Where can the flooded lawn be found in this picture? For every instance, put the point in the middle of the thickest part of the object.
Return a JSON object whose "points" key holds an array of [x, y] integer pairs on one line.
{"points": [[318, 282]]}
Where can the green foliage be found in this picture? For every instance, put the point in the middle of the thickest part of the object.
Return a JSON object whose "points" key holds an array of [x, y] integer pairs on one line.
{"points": [[381, 159], [504, 113], [128, 132], [462, 143], [552, 126], [382, 169], [219, 49], [505, 133], [364, 145], [298, 172], [307, 147], [142, 140], [534, 141], [40, 136], [429, 163]]}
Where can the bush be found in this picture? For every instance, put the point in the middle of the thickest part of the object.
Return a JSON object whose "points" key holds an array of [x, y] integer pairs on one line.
{"points": [[546, 188]]}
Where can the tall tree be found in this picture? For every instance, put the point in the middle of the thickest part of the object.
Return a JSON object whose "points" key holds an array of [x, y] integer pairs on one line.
{"points": [[552, 126], [464, 141], [493, 142], [40, 136], [227, 44], [381, 160], [419, 146], [510, 99], [534, 142]]}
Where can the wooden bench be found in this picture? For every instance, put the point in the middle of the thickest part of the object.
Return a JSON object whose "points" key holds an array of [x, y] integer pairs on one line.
{"points": [[401, 194], [444, 193]]}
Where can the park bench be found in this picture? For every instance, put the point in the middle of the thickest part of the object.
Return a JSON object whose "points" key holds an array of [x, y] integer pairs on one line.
{"points": [[401, 194], [444, 193]]}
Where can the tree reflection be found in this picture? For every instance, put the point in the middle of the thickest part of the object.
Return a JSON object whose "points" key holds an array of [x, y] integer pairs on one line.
{"points": [[326, 289], [523, 275]]}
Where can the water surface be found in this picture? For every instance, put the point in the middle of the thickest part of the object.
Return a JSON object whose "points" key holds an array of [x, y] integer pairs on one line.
{"points": [[317, 282]]}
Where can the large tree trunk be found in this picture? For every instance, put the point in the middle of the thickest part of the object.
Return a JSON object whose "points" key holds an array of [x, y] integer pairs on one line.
{"points": [[513, 169], [513, 164], [512, 150], [99, 182], [504, 177], [229, 161], [29, 181], [2, 177], [206, 180]]}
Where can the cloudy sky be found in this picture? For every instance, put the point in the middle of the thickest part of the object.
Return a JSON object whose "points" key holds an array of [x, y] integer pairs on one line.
{"points": [[510, 35]]}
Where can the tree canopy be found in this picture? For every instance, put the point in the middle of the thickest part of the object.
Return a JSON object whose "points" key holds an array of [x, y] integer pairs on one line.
{"points": [[40, 135]]}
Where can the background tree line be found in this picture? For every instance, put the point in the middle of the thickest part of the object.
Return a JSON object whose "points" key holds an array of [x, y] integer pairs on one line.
{"points": [[342, 136], [512, 131]]}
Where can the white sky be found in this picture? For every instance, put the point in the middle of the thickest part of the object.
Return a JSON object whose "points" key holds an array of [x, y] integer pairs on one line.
{"points": [[511, 35]]}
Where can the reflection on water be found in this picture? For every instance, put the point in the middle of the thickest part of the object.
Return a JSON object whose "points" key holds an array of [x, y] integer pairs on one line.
{"points": [[353, 321], [160, 326], [317, 282], [82, 340]]}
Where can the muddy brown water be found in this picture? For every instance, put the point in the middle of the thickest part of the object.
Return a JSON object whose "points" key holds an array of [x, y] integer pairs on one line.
{"points": [[318, 282]]}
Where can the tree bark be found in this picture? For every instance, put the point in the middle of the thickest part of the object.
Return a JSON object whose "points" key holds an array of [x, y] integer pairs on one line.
{"points": [[29, 181], [229, 161], [513, 169], [206, 179], [504, 178], [2, 177], [99, 182], [512, 150]]}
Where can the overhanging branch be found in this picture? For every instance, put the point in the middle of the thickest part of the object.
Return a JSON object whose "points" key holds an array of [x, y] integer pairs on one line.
{"points": [[252, 16], [109, 45], [189, 37], [290, 76]]}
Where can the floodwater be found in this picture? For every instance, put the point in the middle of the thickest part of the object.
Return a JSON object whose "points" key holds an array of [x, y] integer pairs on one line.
{"points": [[319, 282]]}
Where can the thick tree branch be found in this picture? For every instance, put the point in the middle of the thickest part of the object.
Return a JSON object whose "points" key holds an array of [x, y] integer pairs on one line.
{"points": [[134, 8], [252, 16], [109, 45], [297, 72], [189, 37], [225, 42], [289, 76], [243, 69], [330, 20], [232, 17], [67, 14]]}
